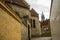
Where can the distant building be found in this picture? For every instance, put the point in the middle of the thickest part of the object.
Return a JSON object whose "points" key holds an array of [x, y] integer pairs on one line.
{"points": [[42, 17], [35, 25], [45, 26]]}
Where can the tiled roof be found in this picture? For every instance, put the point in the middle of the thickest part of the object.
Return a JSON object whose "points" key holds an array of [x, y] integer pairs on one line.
{"points": [[19, 2], [33, 13]]}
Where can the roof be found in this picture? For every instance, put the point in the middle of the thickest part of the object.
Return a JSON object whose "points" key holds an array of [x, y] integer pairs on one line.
{"points": [[33, 13], [19, 2]]}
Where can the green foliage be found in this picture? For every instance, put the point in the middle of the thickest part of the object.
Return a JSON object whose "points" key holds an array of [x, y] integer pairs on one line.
{"points": [[46, 34]]}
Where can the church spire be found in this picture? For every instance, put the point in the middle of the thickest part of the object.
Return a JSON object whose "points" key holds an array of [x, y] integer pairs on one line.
{"points": [[42, 17]]}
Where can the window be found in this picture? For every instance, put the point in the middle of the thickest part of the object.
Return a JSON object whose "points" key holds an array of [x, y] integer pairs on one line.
{"points": [[34, 24]]}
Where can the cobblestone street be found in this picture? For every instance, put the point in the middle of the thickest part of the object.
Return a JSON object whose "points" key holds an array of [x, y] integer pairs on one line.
{"points": [[42, 38]]}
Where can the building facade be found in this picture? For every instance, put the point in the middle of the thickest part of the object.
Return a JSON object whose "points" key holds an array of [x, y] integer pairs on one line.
{"points": [[35, 25]]}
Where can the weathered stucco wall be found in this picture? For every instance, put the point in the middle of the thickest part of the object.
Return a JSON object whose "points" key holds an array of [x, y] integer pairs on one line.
{"points": [[21, 10], [10, 29], [55, 20], [24, 32]]}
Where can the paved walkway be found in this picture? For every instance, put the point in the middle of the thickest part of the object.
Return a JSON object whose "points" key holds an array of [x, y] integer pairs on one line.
{"points": [[42, 38]]}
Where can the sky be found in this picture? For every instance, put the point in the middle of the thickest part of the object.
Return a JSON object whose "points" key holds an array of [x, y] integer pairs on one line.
{"points": [[40, 6]]}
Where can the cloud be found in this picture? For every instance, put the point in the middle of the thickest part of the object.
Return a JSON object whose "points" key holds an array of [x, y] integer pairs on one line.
{"points": [[44, 2], [41, 5]]}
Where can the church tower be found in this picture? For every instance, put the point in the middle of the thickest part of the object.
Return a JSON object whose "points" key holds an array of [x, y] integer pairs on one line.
{"points": [[42, 17]]}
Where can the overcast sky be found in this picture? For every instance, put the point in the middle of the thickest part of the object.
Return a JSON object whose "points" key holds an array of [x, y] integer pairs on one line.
{"points": [[41, 5]]}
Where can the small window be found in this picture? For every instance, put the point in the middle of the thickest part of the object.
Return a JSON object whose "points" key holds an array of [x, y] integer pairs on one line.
{"points": [[34, 24]]}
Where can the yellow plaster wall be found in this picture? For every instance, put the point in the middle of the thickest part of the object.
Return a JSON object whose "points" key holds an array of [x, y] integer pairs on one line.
{"points": [[10, 29]]}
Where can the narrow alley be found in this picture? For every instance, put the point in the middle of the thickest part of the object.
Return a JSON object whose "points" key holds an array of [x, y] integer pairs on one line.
{"points": [[29, 19], [42, 38]]}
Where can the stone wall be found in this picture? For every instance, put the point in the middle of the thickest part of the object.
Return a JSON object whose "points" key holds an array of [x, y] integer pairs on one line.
{"points": [[24, 32], [22, 11]]}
